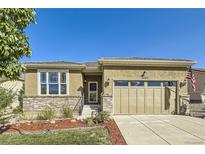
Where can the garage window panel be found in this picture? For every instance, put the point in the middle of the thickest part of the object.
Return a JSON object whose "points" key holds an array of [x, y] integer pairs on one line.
{"points": [[154, 83], [121, 83], [137, 83], [169, 83]]}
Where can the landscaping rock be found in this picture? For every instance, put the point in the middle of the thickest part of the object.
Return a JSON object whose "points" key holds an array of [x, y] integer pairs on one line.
{"points": [[73, 120], [52, 121]]}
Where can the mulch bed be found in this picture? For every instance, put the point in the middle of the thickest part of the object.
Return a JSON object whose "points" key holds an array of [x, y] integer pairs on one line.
{"points": [[115, 134]]}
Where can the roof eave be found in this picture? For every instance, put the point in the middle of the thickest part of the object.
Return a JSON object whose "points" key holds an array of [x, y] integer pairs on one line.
{"points": [[159, 63], [53, 66], [92, 69]]}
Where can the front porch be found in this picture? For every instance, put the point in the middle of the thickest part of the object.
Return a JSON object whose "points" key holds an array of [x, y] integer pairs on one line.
{"points": [[92, 91]]}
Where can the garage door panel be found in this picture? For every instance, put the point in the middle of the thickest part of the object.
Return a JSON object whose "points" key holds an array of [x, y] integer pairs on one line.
{"points": [[172, 101], [132, 101], [163, 102], [173, 93], [170, 96], [157, 101], [117, 100], [140, 101], [124, 100], [149, 101], [144, 100]]}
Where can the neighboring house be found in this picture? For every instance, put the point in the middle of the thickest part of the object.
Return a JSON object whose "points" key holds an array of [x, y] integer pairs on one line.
{"points": [[195, 97], [15, 86], [115, 85]]}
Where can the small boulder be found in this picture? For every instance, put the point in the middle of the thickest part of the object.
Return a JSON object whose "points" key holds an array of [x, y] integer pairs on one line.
{"points": [[73, 120], [52, 121]]}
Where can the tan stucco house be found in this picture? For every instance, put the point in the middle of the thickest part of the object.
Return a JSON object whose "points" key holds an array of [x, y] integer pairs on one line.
{"points": [[115, 85]]}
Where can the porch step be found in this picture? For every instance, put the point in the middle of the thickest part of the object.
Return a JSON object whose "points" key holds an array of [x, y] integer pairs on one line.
{"points": [[88, 109]]}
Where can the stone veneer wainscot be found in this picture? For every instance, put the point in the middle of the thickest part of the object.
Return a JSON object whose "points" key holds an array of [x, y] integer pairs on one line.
{"points": [[32, 105]]}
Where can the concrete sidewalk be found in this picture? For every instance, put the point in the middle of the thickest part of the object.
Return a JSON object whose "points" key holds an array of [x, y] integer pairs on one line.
{"points": [[161, 129]]}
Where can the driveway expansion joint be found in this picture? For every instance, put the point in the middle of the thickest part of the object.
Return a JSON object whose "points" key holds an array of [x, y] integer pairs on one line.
{"points": [[151, 130], [181, 129], [161, 129]]}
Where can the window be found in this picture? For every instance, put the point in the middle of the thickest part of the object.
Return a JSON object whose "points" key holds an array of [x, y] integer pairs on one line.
{"points": [[43, 83], [169, 83], [93, 86], [121, 83], [53, 83], [137, 83], [93, 92], [154, 83], [63, 82]]}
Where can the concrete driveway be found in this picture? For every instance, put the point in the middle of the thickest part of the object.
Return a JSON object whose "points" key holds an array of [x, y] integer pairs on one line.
{"points": [[161, 129]]}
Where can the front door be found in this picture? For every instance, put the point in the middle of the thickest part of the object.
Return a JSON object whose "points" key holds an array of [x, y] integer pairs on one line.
{"points": [[92, 92]]}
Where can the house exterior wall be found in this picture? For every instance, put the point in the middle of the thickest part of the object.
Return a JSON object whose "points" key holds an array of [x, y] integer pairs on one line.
{"points": [[75, 83], [31, 82], [135, 73], [33, 103]]}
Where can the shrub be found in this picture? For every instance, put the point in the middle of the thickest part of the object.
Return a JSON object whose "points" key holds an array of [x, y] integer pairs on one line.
{"points": [[46, 114], [20, 99], [3, 121], [6, 99], [17, 110], [67, 112], [101, 117], [89, 121]]}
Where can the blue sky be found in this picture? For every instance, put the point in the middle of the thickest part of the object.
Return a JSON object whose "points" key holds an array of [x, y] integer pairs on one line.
{"points": [[87, 34]]}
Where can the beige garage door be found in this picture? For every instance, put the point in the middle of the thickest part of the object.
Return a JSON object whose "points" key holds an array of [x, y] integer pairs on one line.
{"points": [[139, 97]]}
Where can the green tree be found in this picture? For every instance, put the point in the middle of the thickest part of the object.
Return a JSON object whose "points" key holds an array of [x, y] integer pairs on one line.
{"points": [[13, 40]]}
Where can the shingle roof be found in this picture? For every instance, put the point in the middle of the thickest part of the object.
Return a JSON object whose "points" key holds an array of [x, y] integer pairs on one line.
{"points": [[91, 64], [138, 58], [54, 62], [199, 69]]}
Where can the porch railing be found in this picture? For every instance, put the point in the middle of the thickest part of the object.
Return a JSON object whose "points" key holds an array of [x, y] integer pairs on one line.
{"points": [[80, 104], [82, 101]]}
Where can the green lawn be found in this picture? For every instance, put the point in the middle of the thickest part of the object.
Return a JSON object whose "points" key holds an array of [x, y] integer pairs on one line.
{"points": [[82, 136]]}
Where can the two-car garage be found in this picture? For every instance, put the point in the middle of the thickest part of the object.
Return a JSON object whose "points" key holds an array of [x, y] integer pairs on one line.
{"points": [[144, 97]]}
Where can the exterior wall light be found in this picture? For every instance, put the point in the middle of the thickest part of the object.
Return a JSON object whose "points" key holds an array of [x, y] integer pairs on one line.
{"points": [[144, 75]]}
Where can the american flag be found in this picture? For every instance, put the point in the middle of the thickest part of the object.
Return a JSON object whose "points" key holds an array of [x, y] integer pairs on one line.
{"points": [[191, 77]]}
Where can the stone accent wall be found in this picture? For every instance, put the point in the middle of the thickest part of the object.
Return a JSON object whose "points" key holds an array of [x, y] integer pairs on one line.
{"points": [[197, 110], [107, 104], [34, 104], [203, 98], [184, 104]]}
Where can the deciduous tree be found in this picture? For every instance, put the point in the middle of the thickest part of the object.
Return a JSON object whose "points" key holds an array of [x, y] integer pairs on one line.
{"points": [[13, 40]]}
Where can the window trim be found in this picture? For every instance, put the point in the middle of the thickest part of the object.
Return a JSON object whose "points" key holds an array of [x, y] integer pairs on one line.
{"points": [[47, 83]]}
